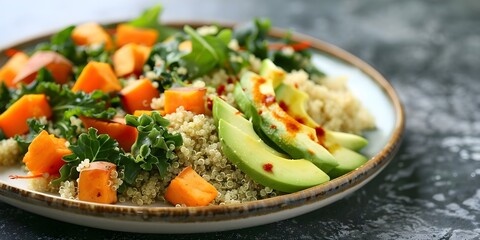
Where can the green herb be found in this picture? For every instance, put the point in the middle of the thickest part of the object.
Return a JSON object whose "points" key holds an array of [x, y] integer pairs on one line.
{"points": [[91, 146], [208, 52], [149, 19], [5, 97], [35, 127], [154, 145], [253, 36]]}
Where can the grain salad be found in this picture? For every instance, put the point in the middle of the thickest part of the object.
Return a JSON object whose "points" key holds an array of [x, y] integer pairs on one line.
{"points": [[140, 113]]}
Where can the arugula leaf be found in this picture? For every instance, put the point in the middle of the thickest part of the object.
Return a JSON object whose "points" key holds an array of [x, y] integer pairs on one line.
{"points": [[208, 52], [154, 146], [149, 19]]}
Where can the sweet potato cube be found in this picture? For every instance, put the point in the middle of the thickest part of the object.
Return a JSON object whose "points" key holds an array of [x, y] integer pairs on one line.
{"points": [[91, 33], [95, 183], [128, 34], [192, 99], [115, 128], [97, 76], [58, 65], [14, 120], [190, 189], [12, 67], [138, 95], [45, 154], [130, 59]]}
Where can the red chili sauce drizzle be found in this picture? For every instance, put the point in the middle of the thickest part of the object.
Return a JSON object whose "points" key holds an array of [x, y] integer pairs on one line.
{"points": [[283, 106], [220, 89], [320, 135], [267, 167]]}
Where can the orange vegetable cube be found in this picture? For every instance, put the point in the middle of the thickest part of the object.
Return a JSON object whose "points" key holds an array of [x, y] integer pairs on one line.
{"points": [[45, 154], [192, 99], [58, 65], [91, 33], [14, 120], [11, 69], [97, 76], [190, 189], [138, 95], [128, 34], [130, 59], [95, 183], [115, 128]]}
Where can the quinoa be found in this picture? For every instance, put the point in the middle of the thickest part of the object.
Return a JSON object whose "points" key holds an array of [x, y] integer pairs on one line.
{"points": [[331, 104], [201, 149], [42, 184], [10, 152]]}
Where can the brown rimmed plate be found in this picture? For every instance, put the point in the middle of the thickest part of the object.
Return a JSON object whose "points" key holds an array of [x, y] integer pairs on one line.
{"points": [[366, 83]]}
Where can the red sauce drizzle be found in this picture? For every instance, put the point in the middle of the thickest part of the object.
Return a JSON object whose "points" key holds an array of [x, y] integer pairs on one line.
{"points": [[291, 124], [283, 106], [220, 89], [273, 126], [320, 135], [268, 167], [269, 100], [209, 104], [11, 51], [238, 113], [300, 120]]}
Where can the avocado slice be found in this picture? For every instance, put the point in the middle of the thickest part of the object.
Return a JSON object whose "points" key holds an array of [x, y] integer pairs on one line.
{"points": [[271, 71], [223, 110], [268, 169], [293, 102], [296, 139], [348, 161]]}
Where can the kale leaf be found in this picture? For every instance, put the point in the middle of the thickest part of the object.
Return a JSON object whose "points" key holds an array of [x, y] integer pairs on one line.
{"points": [[253, 36], [154, 146]]}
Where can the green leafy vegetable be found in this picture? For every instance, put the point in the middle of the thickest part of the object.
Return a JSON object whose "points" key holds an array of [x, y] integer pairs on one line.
{"points": [[149, 19], [92, 147], [154, 145], [253, 36], [35, 127], [5, 97]]}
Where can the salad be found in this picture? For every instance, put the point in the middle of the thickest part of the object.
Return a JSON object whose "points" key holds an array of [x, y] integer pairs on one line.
{"points": [[140, 112]]}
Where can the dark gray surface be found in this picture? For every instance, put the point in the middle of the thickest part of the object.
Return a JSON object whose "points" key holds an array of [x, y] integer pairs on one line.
{"points": [[430, 52]]}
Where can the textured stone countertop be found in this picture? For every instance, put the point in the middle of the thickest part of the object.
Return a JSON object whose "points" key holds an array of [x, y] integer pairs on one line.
{"points": [[428, 50]]}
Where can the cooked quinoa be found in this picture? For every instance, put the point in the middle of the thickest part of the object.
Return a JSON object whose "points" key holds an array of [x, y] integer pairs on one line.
{"points": [[10, 153]]}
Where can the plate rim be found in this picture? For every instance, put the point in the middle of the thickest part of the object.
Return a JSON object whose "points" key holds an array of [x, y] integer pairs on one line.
{"points": [[238, 210]]}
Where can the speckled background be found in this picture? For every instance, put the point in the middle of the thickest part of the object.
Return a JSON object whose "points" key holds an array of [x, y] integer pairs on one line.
{"points": [[429, 51]]}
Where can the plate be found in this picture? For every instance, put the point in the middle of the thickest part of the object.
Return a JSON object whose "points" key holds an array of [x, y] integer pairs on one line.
{"points": [[372, 89]]}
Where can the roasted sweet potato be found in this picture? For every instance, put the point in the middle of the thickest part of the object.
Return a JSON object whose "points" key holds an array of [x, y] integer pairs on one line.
{"points": [[11, 69], [97, 76], [130, 59], [115, 128], [91, 33], [58, 65], [14, 120], [95, 183], [128, 34], [138, 95], [190, 189], [45, 154]]}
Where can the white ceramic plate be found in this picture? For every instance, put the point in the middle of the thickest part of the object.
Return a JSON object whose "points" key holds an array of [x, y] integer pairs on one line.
{"points": [[367, 84]]}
